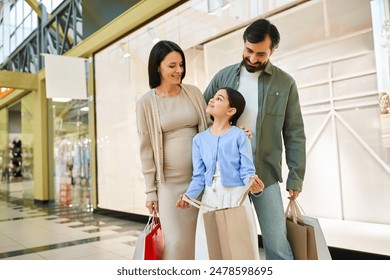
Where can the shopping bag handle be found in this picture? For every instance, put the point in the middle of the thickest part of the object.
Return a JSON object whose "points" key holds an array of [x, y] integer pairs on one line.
{"points": [[246, 191], [149, 220], [293, 211], [299, 207], [198, 204], [201, 205], [154, 219]]}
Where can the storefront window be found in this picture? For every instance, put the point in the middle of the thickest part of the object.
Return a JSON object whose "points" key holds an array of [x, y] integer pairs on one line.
{"points": [[72, 153], [16, 153], [27, 121]]}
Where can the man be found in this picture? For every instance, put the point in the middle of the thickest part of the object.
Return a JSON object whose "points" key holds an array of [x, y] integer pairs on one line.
{"points": [[272, 112]]}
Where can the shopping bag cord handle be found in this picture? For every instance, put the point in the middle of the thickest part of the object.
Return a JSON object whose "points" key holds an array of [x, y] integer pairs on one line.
{"points": [[293, 212], [246, 191], [201, 205], [198, 204]]}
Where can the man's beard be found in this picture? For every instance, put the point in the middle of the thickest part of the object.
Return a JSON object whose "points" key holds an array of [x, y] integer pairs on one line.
{"points": [[252, 69]]}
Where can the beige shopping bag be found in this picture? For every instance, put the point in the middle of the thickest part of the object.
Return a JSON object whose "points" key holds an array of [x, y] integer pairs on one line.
{"points": [[228, 234], [227, 230], [300, 235]]}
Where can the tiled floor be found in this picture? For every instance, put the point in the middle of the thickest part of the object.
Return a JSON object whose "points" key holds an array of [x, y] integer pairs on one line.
{"points": [[31, 232]]}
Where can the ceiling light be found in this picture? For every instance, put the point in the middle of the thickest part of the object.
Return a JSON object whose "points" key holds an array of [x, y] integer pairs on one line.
{"points": [[226, 6], [125, 49], [61, 99], [153, 36]]}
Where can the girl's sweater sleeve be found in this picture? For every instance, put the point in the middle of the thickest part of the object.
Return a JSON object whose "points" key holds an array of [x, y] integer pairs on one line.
{"points": [[198, 176], [247, 168]]}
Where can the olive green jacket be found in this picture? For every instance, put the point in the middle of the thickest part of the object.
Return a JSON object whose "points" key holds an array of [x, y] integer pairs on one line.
{"points": [[279, 120]]}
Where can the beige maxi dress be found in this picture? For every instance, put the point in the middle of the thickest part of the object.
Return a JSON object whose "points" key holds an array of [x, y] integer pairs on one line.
{"points": [[179, 123]]}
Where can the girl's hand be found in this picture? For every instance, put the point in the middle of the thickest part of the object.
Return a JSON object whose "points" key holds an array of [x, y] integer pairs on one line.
{"points": [[257, 186], [181, 203], [152, 206]]}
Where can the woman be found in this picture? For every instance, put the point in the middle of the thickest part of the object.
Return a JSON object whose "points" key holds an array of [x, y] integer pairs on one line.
{"points": [[169, 115]]}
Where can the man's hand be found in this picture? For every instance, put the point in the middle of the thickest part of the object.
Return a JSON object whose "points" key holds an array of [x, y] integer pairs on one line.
{"points": [[293, 194], [247, 131]]}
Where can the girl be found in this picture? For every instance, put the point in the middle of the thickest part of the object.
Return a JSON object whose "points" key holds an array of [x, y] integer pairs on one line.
{"points": [[222, 164]]}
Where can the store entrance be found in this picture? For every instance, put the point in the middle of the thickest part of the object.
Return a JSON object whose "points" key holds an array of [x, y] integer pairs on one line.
{"points": [[71, 153]]}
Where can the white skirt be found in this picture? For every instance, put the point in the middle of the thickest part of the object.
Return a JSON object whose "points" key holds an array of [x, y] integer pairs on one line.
{"points": [[223, 197]]}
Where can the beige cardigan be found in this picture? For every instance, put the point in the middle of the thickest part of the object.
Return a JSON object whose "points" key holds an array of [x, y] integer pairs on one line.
{"points": [[151, 138]]}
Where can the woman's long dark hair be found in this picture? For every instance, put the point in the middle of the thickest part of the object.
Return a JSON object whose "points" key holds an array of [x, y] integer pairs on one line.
{"points": [[159, 51]]}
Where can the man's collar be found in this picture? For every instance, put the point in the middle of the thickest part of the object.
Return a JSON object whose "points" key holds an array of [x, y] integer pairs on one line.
{"points": [[268, 68], [238, 68]]}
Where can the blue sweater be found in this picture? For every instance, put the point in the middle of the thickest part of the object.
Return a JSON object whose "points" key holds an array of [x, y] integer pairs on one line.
{"points": [[233, 152]]}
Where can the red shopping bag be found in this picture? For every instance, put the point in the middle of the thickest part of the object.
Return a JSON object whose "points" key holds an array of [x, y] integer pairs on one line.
{"points": [[154, 241]]}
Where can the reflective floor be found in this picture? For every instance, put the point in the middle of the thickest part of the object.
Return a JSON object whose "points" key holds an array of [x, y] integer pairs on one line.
{"points": [[31, 232], [52, 232]]}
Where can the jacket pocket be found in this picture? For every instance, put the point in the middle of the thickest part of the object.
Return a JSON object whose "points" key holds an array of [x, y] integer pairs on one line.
{"points": [[276, 103]]}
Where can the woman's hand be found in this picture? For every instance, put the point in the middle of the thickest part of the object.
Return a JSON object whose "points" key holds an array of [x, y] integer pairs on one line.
{"points": [[257, 186], [152, 206], [181, 203], [247, 131]]}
